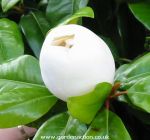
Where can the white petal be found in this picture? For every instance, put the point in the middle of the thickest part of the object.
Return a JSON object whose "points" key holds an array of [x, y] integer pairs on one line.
{"points": [[75, 71]]}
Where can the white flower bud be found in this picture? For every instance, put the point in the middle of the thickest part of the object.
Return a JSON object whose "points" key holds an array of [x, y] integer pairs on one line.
{"points": [[74, 60]]}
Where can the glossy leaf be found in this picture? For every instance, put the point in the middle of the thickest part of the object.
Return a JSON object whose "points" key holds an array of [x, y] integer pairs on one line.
{"points": [[84, 12], [61, 125], [21, 94], [24, 68], [8, 4], [139, 94], [119, 76], [58, 11], [22, 103], [38, 22], [42, 3], [141, 11], [138, 67], [132, 80], [131, 74], [11, 44], [107, 125], [86, 106]]}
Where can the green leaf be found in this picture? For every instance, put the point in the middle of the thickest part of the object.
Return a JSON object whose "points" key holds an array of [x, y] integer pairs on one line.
{"points": [[58, 11], [22, 103], [141, 11], [119, 76], [42, 3], [136, 70], [8, 4], [61, 125], [19, 97], [24, 68], [86, 106], [58, 108], [40, 26], [132, 80], [107, 125], [84, 12], [11, 44], [135, 78], [139, 94]]}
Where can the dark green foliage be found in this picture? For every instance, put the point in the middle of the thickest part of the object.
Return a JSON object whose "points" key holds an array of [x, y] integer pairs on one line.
{"points": [[123, 24]]}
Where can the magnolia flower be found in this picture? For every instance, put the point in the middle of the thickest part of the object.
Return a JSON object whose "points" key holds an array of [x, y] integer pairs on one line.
{"points": [[74, 60]]}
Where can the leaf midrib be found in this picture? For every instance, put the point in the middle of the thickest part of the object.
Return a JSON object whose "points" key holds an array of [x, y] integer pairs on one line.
{"points": [[26, 102], [22, 82]]}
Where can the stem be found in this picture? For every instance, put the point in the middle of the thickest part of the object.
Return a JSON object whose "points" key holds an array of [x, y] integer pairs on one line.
{"points": [[114, 94], [118, 94], [107, 103], [115, 87], [18, 9], [107, 122], [125, 60]]}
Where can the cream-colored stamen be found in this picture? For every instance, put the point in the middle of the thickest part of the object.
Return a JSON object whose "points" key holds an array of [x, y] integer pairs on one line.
{"points": [[63, 41]]}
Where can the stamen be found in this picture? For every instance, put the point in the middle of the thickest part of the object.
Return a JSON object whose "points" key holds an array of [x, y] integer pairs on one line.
{"points": [[63, 41]]}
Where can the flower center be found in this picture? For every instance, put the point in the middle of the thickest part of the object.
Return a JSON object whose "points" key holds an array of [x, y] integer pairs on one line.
{"points": [[63, 41]]}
